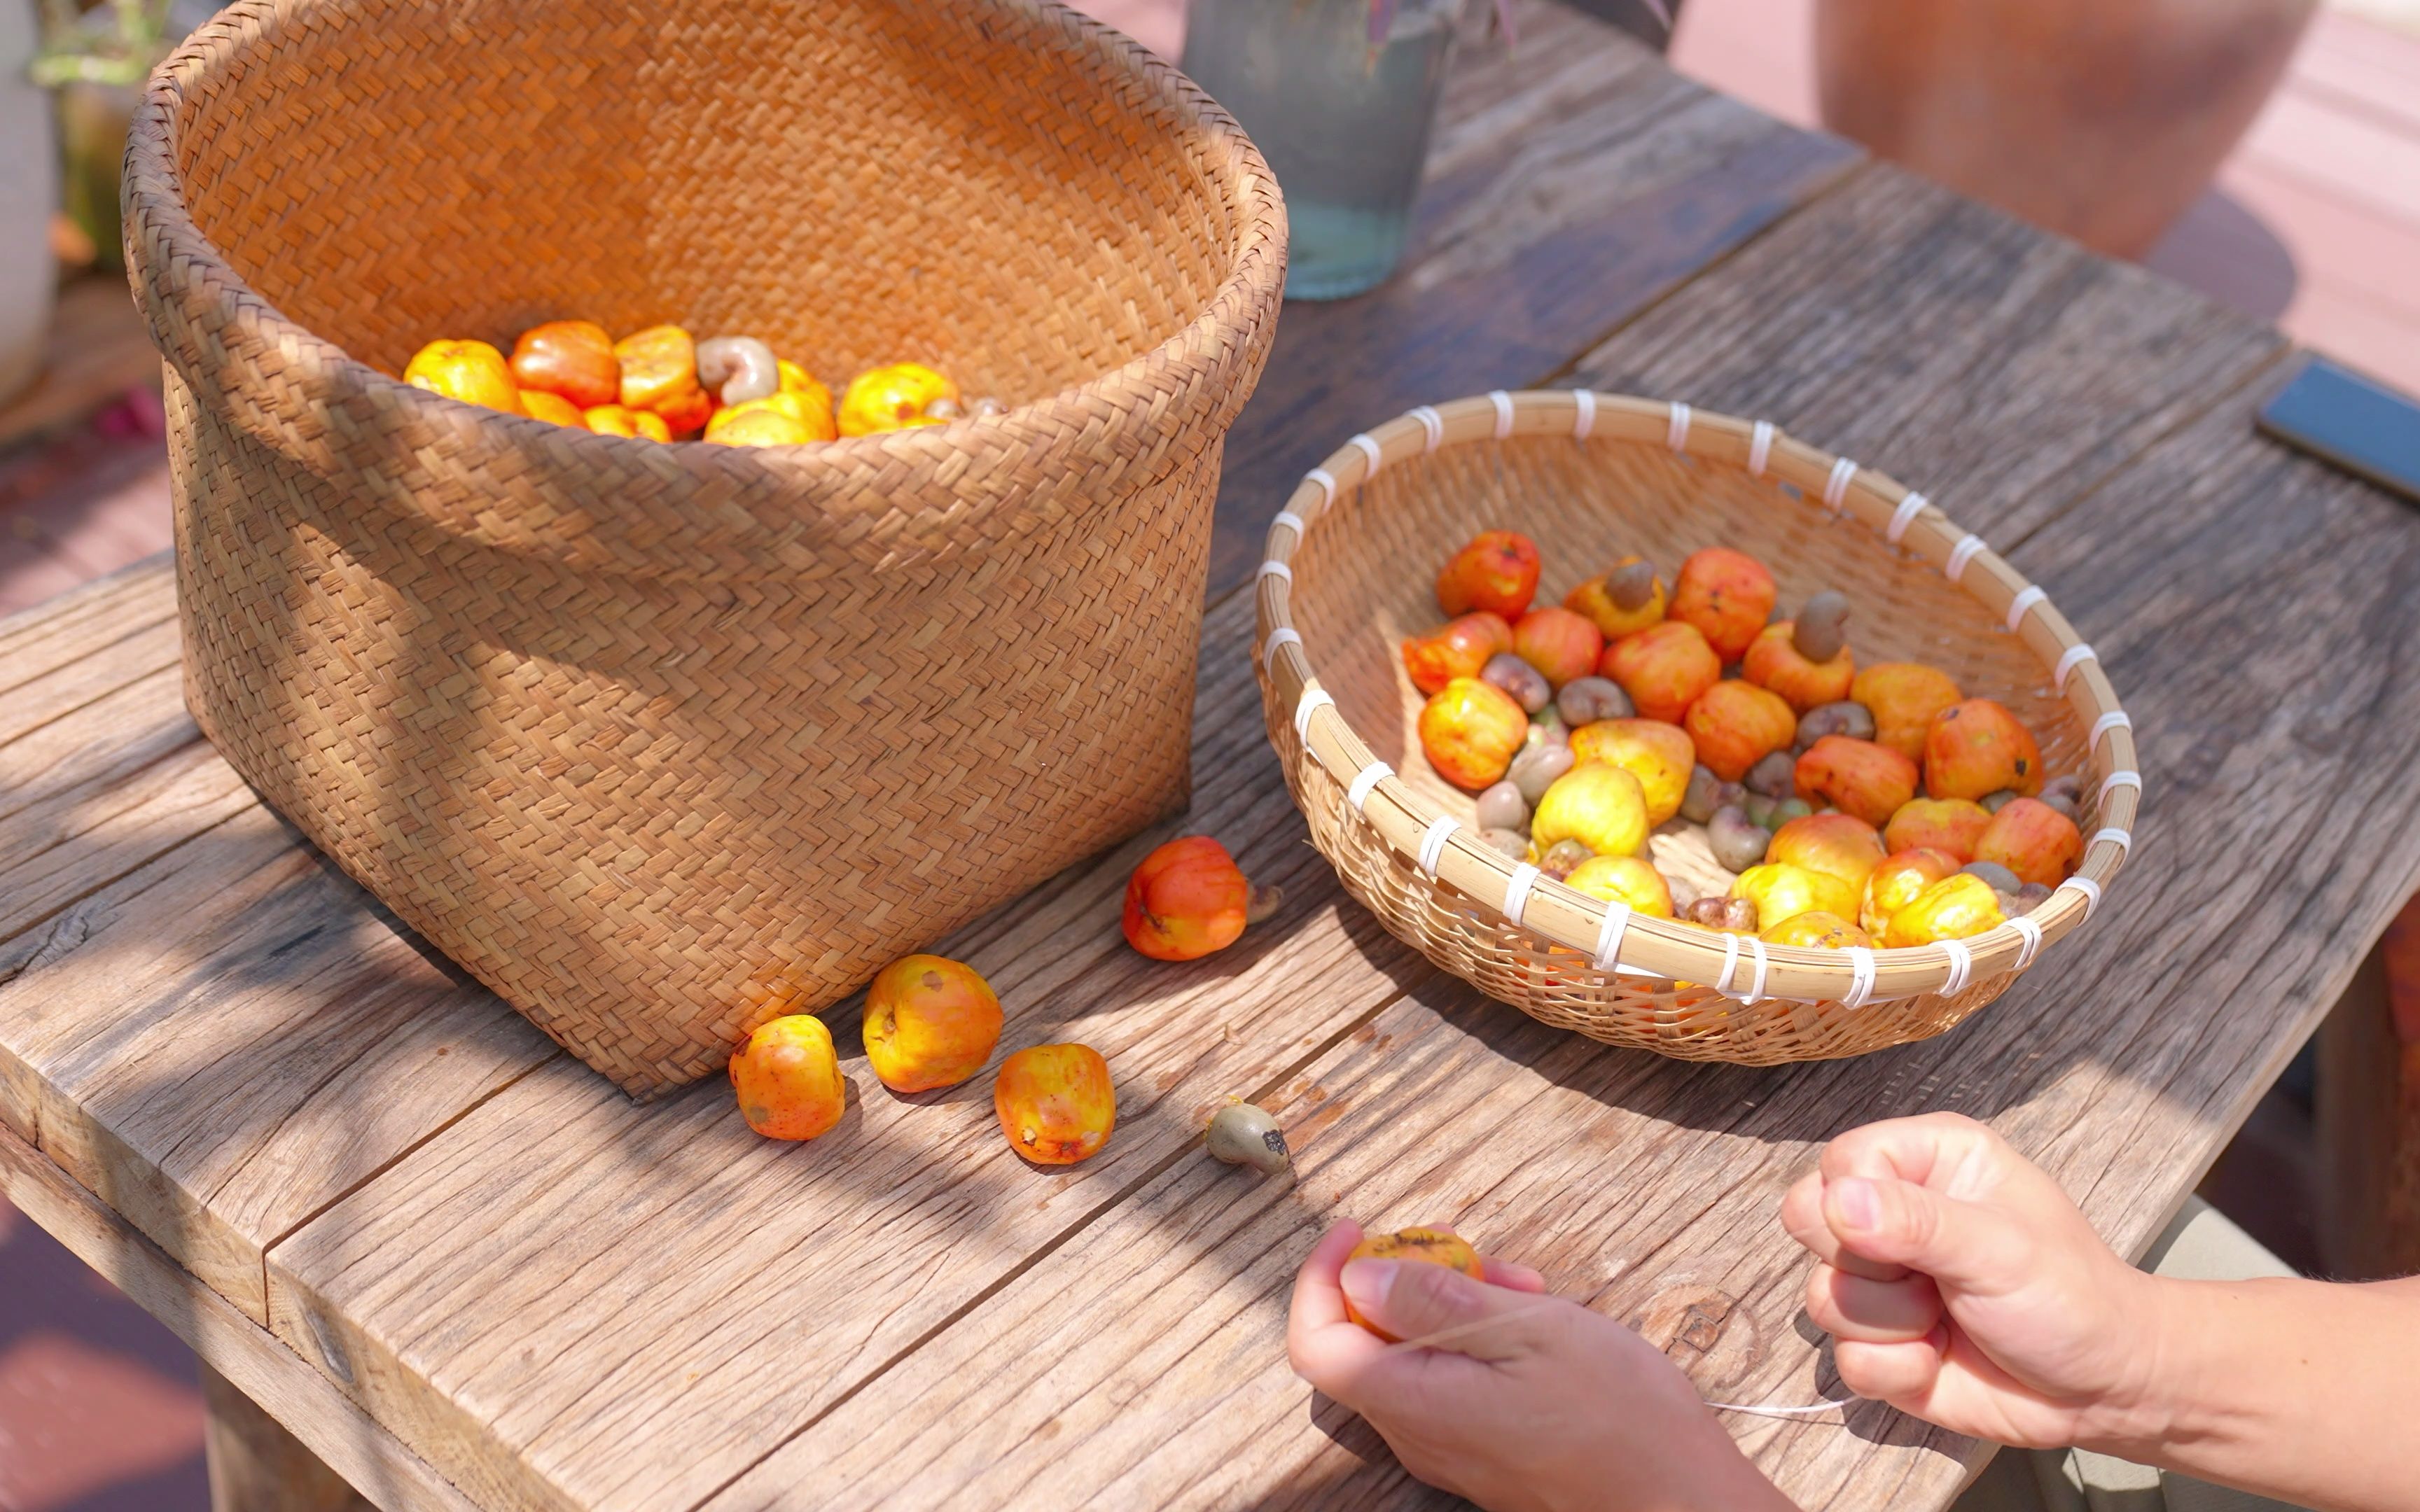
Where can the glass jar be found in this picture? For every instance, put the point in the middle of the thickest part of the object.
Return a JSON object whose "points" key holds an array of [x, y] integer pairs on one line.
{"points": [[1343, 123]]}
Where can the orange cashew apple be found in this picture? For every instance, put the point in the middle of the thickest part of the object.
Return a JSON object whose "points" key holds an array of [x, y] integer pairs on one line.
{"points": [[1458, 648], [1660, 755], [929, 1022], [1727, 594], [1737, 724], [1430, 1246], [1947, 825], [1818, 930], [1470, 732], [1903, 696], [1953, 908], [1186, 899], [1837, 845], [471, 371], [788, 1079], [2033, 839], [1559, 643], [1055, 1103], [1856, 776], [1624, 879], [1497, 572], [1896, 883], [1663, 668], [1977, 748], [1624, 601], [1773, 661], [572, 359], [659, 374]]}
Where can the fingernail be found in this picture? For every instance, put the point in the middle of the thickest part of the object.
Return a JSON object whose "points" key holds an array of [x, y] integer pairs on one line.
{"points": [[1858, 1203], [1367, 1282]]}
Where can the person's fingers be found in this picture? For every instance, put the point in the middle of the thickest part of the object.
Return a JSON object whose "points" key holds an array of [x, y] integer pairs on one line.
{"points": [[1802, 1217], [1325, 1346], [1898, 1222], [1512, 1275], [1867, 1311], [1947, 1151], [1439, 1307], [1893, 1373]]}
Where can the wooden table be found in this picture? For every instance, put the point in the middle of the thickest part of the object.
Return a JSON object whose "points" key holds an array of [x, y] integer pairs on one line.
{"points": [[465, 1271]]}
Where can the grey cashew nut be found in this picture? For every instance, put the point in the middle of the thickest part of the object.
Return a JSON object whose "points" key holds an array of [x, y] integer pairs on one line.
{"points": [[738, 368]]}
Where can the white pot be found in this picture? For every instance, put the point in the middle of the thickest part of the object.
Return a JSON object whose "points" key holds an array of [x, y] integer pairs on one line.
{"points": [[29, 188]]}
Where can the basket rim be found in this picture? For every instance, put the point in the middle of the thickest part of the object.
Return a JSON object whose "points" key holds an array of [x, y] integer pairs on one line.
{"points": [[172, 262], [1609, 938]]}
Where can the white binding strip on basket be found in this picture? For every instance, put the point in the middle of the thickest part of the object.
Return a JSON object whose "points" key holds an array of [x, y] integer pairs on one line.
{"points": [[1835, 488], [1327, 481], [1861, 976], [1284, 635], [2114, 719], [1363, 781], [1274, 568], [1503, 403], [1608, 938], [1312, 698], [1966, 550], [1288, 520], [1432, 423], [1759, 448], [2032, 932], [2073, 658], [2090, 889], [2023, 604], [1677, 436], [1368, 446], [1962, 967], [1904, 516], [1433, 842], [2124, 840], [2122, 777], [1517, 892], [1755, 992], [1584, 419]]}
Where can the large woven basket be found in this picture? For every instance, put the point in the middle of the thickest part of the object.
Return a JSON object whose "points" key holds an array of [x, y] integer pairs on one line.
{"points": [[1351, 570], [662, 740]]}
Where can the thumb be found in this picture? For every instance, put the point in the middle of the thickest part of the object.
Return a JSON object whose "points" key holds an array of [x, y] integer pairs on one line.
{"points": [[1900, 1223], [1436, 1307]]}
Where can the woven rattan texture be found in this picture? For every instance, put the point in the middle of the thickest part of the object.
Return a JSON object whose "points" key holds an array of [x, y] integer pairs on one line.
{"points": [[1363, 578], [661, 741]]}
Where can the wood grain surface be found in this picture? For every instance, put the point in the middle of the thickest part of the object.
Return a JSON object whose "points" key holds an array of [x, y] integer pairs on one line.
{"points": [[256, 1466], [486, 1278], [339, 1434], [2122, 1064]]}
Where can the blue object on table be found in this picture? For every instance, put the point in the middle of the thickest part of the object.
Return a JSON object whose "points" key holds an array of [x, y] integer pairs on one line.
{"points": [[2361, 426]]}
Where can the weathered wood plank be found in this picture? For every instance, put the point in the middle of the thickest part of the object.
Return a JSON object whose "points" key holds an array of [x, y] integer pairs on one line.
{"points": [[58, 849], [2122, 1063], [674, 1359], [256, 1466], [2001, 371], [71, 627], [90, 660], [1572, 181], [232, 1036], [367, 1456]]}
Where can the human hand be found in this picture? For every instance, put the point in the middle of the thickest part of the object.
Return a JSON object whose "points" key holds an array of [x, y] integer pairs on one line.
{"points": [[1962, 1286], [1510, 1397]]}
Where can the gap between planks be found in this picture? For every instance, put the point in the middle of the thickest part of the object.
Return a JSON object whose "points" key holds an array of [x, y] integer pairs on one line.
{"points": [[1057, 1242]]}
